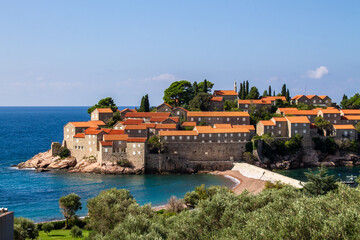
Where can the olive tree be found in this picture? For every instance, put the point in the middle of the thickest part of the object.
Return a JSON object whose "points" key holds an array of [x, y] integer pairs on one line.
{"points": [[69, 204]]}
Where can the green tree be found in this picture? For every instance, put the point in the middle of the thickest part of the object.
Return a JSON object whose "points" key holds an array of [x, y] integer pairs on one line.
{"points": [[321, 123], [195, 88], [201, 102], [287, 96], [147, 103], [274, 93], [104, 103], [205, 86], [69, 204], [156, 144], [265, 93], [247, 89], [144, 105], [76, 232], [115, 118], [179, 93], [25, 229], [320, 183], [269, 90], [357, 127], [254, 93], [283, 90], [240, 91], [47, 227], [351, 103], [229, 105]]}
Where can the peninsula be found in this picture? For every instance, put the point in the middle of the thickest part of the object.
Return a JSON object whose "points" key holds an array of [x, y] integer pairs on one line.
{"points": [[197, 129]]}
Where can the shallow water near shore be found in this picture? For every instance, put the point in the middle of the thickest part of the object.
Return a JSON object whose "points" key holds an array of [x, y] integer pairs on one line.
{"points": [[26, 131]]}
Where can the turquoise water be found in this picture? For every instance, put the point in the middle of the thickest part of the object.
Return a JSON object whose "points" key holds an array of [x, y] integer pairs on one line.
{"points": [[338, 172], [26, 131]]}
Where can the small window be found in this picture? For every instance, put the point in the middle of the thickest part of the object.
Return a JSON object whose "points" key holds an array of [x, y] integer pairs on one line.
{"points": [[217, 119], [202, 141], [67, 130], [192, 119], [165, 137], [210, 135], [119, 142], [93, 142], [139, 152], [272, 127], [89, 142], [296, 131], [180, 137], [210, 141], [218, 134], [67, 136], [228, 119], [139, 131], [231, 134], [279, 132], [173, 137], [267, 127], [304, 124], [246, 106], [304, 131], [134, 145], [203, 135], [296, 124], [238, 119], [334, 115], [199, 119], [195, 137], [106, 150], [239, 134], [225, 134], [188, 137], [218, 141], [138, 145], [178, 112], [244, 134], [334, 121], [72, 130], [75, 147], [93, 136], [134, 153], [244, 119]]}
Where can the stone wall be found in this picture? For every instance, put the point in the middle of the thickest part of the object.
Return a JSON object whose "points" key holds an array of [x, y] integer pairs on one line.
{"points": [[7, 226]]}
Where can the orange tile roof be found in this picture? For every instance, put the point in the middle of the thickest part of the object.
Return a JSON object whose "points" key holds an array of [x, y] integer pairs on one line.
{"points": [[296, 97], [216, 99], [149, 125], [351, 117], [178, 133], [218, 114], [254, 101], [92, 131], [330, 111], [97, 123], [225, 93], [208, 129], [280, 119], [115, 131], [79, 135], [127, 109], [350, 111], [300, 119], [132, 121], [274, 98], [310, 96], [165, 104], [176, 119], [146, 114], [158, 119], [115, 137], [322, 96], [267, 123], [189, 124], [104, 110], [106, 143], [222, 126], [250, 127], [107, 130], [87, 124], [174, 109], [136, 140], [165, 126], [345, 127], [135, 127]]}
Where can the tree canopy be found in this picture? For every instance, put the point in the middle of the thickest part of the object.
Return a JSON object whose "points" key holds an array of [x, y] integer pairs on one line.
{"points": [[351, 103], [254, 93], [179, 93], [320, 183], [69, 204], [201, 102], [104, 103], [205, 86], [145, 104]]}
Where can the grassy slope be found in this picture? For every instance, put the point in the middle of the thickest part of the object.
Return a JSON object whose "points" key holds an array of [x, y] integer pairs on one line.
{"points": [[59, 234]]}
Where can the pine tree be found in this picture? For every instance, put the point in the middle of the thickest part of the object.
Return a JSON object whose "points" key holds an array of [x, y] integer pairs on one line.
{"points": [[269, 90], [345, 97], [146, 103], [283, 90], [265, 93], [287, 95]]}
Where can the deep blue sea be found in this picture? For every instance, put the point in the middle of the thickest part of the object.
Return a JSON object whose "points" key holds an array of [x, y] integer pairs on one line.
{"points": [[26, 131]]}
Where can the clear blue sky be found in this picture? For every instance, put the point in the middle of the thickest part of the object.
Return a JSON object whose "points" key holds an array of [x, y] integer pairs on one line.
{"points": [[72, 53]]}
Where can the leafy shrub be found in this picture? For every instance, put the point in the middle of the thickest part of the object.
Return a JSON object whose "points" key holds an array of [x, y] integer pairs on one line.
{"points": [[248, 157], [47, 227], [350, 146], [326, 145], [276, 185], [175, 205], [76, 232], [63, 152], [25, 229], [124, 163]]}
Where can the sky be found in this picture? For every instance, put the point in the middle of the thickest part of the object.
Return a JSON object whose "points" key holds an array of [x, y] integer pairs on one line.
{"points": [[73, 53]]}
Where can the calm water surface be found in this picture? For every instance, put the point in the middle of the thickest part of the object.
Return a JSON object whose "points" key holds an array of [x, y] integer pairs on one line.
{"points": [[26, 131]]}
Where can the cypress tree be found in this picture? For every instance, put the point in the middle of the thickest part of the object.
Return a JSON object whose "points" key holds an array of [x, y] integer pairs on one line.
{"points": [[146, 103], [265, 93], [269, 90], [247, 89], [205, 86], [274, 93], [195, 88], [243, 94], [142, 105], [345, 97], [283, 90], [288, 95], [240, 91]]}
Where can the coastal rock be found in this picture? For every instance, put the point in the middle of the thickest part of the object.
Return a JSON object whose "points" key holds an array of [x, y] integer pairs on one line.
{"points": [[62, 163]]}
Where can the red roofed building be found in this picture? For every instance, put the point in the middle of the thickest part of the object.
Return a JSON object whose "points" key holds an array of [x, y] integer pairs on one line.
{"points": [[343, 132], [164, 107], [312, 100], [230, 95], [211, 118], [102, 114]]}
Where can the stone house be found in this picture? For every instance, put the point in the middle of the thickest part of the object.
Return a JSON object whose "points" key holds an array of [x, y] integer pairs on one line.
{"points": [[136, 152], [165, 127], [331, 115], [216, 104], [344, 132], [146, 116], [122, 125], [124, 111], [230, 95], [211, 118], [312, 100], [298, 125], [164, 107], [253, 104], [102, 114], [350, 119], [179, 112], [72, 128], [277, 126], [136, 131]]}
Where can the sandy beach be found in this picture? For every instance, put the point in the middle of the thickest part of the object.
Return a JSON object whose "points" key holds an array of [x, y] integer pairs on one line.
{"points": [[252, 185]]}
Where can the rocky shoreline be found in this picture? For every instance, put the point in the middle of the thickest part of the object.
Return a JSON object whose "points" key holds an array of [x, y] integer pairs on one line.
{"points": [[45, 162]]}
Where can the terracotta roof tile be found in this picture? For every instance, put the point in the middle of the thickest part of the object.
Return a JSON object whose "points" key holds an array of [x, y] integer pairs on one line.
{"points": [[174, 109], [297, 97], [165, 104], [323, 96], [135, 127], [178, 133], [136, 140], [218, 114], [350, 111], [176, 119], [208, 129], [267, 123], [115, 131], [335, 111], [225, 93], [222, 126], [104, 110], [79, 135], [132, 121], [310, 96], [127, 109], [280, 119], [92, 132], [250, 127], [165, 126], [273, 98], [146, 114], [216, 99], [345, 127], [300, 119], [106, 143], [351, 117], [149, 125], [115, 137], [88, 124], [158, 119], [189, 124]]}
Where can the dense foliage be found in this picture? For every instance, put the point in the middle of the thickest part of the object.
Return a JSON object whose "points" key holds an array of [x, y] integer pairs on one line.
{"points": [[351, 103], [25, 229], [325, 145], [274, 146], [156, 144], [145, 104], [201, 102], [320, 183], [104, 103], [278, 212], [69, 204]]}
